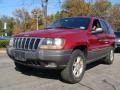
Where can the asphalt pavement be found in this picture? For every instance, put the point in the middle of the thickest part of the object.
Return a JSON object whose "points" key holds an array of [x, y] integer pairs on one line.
{"points": [[98, 76]]}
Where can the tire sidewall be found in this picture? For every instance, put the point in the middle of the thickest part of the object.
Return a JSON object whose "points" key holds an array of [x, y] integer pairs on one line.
{"points": [[75, 54], [108, 57]]}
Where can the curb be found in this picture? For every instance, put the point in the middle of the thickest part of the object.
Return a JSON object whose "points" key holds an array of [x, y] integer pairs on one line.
{"points": [[2, 51]]}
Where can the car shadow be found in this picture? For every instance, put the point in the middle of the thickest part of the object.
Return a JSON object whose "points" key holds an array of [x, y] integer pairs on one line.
{"points": [[51, 73], [117, 50], [94, 64], [42, 73]]}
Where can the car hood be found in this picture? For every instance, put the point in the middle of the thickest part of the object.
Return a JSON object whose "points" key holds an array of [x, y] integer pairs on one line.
{"points": [[50, 33]]}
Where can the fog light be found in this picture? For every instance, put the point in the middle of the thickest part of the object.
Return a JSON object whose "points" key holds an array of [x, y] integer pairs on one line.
{"points": [[52, 65]]}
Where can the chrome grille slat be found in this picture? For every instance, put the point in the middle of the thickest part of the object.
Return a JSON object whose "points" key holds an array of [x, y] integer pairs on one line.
{"points": [[26, 43], [34, 44], [18, 43], [29, 44], [37, 43], [21, 43], [14, 42]]}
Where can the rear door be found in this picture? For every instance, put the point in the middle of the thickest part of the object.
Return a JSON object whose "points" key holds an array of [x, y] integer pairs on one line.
{"points": [[110, 37], [96, 42], [105, 39]]}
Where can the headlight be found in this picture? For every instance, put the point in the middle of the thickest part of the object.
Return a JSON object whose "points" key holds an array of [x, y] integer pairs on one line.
{"points": [[52, 43], [11, 42]]}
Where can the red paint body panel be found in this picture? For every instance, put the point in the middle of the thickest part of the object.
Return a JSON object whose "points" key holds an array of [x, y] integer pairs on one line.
{"points": [[75, 37]]}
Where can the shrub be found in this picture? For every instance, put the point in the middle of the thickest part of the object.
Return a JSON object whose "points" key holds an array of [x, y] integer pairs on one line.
{"points": [[4, 43]]}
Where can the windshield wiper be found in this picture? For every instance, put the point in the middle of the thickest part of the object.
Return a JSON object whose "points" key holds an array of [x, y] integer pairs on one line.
{"points": [[62, 27], [65, 27], [59, 27], [48, 28]]}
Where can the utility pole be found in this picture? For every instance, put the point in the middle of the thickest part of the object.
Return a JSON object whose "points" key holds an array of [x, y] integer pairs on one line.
{"points": [[35, 13], [37, 22], [5, 28], [60, 9], [44, 7]]}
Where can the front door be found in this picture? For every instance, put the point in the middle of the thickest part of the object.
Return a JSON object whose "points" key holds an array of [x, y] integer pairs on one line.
{"points": [[96, 42]]}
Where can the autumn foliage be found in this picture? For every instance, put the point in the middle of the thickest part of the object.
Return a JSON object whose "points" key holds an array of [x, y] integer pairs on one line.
{"points": [[24, 21]]}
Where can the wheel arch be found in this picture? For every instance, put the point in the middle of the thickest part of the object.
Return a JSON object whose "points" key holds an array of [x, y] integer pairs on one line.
{"points": [[83, 48]]}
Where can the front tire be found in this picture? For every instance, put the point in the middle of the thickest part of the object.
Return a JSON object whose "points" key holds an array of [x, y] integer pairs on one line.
{"points": [[75, 69]]}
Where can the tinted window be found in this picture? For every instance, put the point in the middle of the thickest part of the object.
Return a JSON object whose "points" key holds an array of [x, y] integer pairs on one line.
{"points": [[76, 22], [110, 30], [96, 24], [117, 34], [104, 26]]}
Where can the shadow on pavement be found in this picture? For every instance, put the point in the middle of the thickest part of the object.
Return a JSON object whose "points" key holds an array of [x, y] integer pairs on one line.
{"points": [[51, 73], [117, 51], [94, 64], [42, 73]]}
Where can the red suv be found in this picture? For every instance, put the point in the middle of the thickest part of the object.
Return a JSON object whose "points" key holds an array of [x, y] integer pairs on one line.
{"points": [[67, 44]]}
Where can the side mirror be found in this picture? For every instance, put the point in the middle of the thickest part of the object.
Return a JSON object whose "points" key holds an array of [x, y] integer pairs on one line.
{"points": [[98, 30]]}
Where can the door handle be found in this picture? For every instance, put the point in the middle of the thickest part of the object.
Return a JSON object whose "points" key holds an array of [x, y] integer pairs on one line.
{"points": [[106, 41], [102, 40]]}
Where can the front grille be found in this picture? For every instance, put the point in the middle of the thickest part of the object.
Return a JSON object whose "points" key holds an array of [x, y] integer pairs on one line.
{"points": [[26, 43]]}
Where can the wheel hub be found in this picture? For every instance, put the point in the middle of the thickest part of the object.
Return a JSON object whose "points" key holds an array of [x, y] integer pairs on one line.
{"points": [[78, 67]]}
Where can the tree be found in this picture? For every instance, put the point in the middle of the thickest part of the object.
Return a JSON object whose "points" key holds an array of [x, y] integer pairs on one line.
{"points": [[16, 29], [81, 8], [101, 7], [114, 17], [76, 8], [21, 15], [37, 14], [1, 28], [26, 21], [10, 25]]}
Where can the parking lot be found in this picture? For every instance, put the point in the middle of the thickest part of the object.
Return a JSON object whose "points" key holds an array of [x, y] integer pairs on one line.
{"points": [[97, 77]]}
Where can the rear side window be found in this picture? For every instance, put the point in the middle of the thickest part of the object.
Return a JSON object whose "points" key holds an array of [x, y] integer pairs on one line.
{"points": [[106, 27], [110, 28]]}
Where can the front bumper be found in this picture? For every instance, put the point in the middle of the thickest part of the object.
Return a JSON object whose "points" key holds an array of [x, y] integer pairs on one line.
{"points": [[42, 58]]}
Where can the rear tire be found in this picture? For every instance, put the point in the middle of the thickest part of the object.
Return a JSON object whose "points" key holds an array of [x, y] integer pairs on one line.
{"points": [[110, 57], [75, 68]]}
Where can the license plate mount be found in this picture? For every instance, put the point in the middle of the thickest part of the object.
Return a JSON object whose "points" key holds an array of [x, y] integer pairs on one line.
{"points": [[20, 55]]}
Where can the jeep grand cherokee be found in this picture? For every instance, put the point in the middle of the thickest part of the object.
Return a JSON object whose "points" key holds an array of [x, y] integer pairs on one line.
{"points": [[68, 44]]}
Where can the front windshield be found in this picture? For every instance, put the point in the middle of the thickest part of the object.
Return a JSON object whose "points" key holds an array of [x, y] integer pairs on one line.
{"points": [[76, 22]]}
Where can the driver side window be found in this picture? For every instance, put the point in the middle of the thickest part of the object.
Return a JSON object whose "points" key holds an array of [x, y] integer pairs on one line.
{"points": [[96, 24]]}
